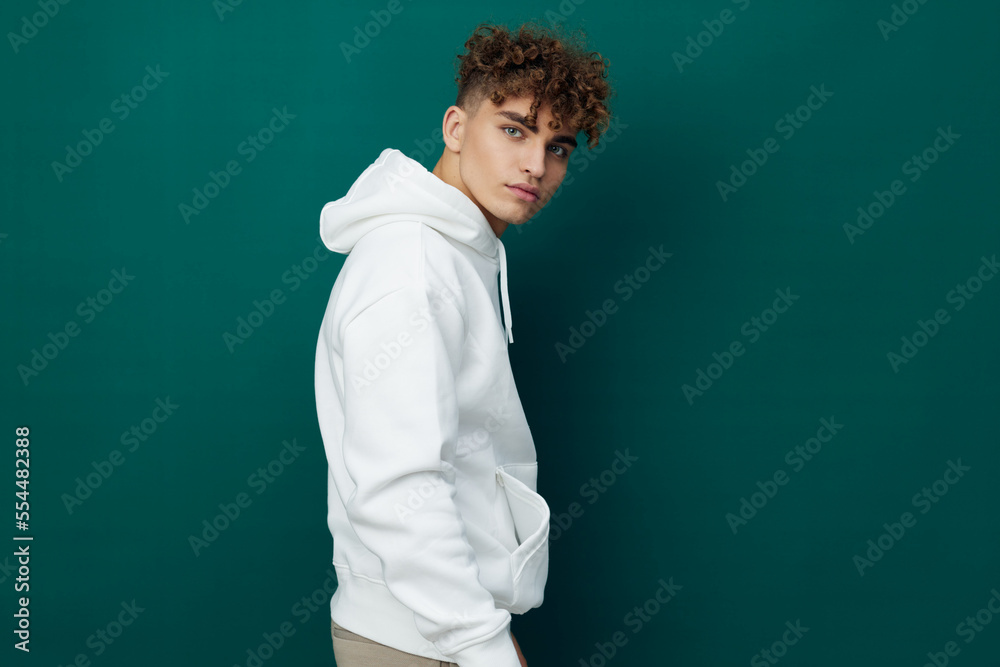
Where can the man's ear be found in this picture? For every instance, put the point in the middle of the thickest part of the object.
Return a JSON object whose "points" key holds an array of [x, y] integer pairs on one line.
{"points": [[453, 128]]}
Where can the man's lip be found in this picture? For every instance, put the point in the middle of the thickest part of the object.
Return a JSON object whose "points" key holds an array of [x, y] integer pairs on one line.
{"points": [[527, 188], [523, 194]]}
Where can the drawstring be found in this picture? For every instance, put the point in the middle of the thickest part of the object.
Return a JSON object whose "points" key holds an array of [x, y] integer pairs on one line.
{"points": [[504, 298]]}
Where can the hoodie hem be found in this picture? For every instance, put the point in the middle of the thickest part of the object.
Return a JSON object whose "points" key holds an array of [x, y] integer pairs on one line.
{"points": [[366, 607]]}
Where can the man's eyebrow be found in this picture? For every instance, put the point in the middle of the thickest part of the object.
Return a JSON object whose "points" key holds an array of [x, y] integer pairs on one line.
{"points": [[518, 118]]}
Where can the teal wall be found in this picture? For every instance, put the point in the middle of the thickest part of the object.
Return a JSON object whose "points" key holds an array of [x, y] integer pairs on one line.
{"points": [[737, 498]]}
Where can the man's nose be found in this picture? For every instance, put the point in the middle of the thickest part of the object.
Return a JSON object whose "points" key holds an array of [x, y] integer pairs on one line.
{"points": [[533, 162]]}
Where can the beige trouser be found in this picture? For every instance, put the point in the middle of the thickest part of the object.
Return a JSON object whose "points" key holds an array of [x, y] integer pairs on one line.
{"points": [[353, 650]]}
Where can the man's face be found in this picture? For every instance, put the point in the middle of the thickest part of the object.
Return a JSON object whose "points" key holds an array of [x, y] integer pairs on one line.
{"points": [[499, 151]]}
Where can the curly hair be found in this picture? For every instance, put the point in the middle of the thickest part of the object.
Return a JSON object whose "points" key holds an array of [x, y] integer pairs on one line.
{"points": [[539, 63]]}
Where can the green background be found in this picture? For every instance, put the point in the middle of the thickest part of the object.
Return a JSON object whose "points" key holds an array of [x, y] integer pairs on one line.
{"points": [[665, 517]]}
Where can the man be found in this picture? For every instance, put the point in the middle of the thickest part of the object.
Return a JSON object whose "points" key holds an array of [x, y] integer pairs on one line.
{"points": [[439, 532]]}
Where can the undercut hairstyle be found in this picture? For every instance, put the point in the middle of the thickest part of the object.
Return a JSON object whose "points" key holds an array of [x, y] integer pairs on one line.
{"points": [[541, 64]]}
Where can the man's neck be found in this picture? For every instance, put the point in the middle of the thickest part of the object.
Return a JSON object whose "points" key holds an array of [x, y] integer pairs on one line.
{"points": [[447, 170]]}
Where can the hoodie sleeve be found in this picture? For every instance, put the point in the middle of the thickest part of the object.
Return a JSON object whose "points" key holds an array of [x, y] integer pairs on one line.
{"points": [[400, 357]]}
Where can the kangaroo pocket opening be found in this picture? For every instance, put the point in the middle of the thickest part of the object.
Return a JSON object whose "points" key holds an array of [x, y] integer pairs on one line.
{"points": [[529, 562]]}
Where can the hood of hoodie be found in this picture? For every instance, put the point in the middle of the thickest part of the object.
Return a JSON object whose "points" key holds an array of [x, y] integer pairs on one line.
{"points": [[396, 187]]}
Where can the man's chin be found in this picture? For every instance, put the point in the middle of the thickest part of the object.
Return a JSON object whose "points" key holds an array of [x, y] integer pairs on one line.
{"points": [[518, 215], [522, 220], [527, 214]]}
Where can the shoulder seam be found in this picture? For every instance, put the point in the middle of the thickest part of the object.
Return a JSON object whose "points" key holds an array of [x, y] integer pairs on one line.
{"points": [[375, 302]]}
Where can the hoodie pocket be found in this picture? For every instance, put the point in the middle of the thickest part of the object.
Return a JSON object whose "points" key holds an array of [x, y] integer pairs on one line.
{"points": [[529, 562]]}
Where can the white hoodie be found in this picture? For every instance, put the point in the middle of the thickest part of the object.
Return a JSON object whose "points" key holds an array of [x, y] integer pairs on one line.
{"points": [[438, 531]]}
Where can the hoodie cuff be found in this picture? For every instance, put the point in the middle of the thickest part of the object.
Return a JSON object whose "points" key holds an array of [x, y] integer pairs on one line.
{"points": [[498, 651]]}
